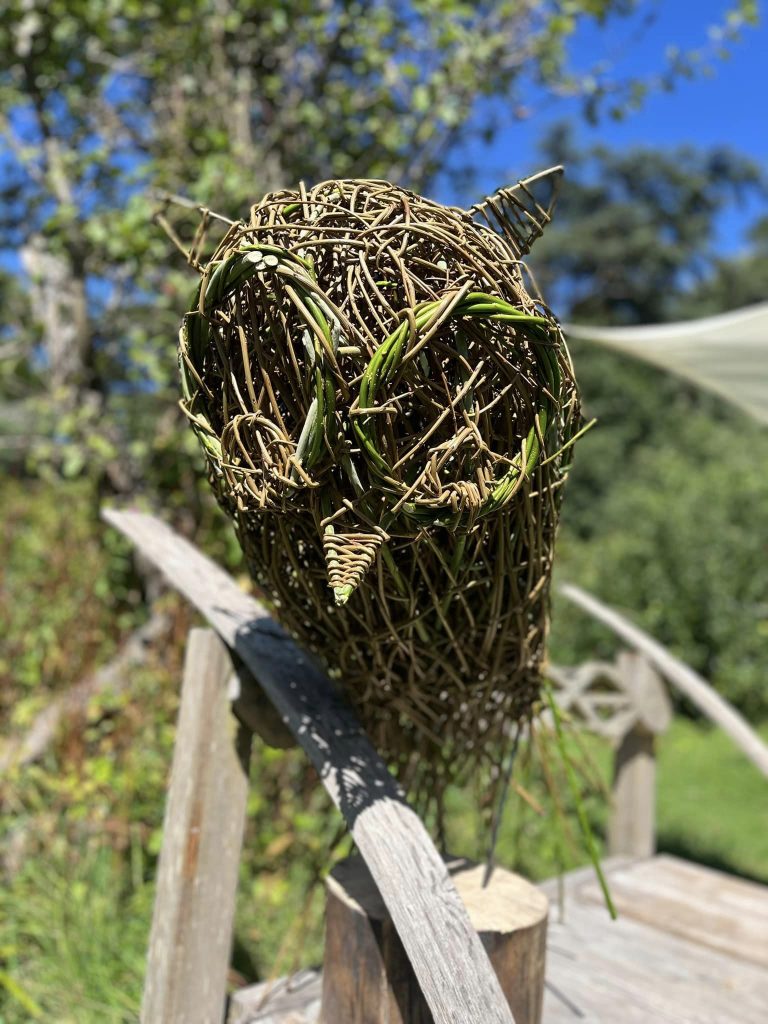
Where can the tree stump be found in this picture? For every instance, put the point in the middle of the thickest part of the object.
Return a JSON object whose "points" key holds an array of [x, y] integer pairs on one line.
{"points": [[367, 977]]}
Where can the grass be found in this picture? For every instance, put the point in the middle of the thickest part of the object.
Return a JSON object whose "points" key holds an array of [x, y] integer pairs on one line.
{"points": [[712, 808], [72, 940], [712, 802], [74, 923]]}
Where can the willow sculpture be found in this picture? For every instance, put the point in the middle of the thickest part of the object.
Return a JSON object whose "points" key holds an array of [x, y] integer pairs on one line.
{"points": [[386, 414]]}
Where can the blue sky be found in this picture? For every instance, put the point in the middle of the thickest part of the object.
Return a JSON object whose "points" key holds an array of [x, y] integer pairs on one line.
{"points": [[729, 108]]}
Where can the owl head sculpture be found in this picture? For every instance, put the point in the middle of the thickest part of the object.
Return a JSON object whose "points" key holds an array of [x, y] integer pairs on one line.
{"points": [[386, 413]]}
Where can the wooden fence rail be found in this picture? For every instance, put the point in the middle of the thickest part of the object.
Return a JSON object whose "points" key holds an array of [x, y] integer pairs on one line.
{"points": [[191, 938], [680, 675], [625, 702], [447, 956]]}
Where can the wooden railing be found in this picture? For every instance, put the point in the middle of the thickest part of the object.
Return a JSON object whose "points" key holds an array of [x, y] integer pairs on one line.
{"points": [[451, 972], [626, 703], [191, 929], [677, 674]]}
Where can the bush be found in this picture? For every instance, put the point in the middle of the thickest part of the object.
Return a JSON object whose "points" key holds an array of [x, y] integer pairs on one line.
{"points": [[677, 542]]}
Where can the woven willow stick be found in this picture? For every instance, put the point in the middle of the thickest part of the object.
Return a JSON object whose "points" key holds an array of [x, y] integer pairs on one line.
{"points": [[387, 413]]}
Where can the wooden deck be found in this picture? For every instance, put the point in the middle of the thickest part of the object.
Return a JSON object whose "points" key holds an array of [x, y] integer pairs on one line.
{"points": [[690, 947]]}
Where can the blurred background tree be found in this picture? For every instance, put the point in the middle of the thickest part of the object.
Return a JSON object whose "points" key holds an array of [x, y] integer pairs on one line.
{"points": [[105, 103], [656, 214], [657, 520], [223, 101]]}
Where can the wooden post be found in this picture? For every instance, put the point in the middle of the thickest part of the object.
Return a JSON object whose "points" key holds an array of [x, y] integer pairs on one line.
{"points": [[632, 824], [191, 936], [367, 977]]}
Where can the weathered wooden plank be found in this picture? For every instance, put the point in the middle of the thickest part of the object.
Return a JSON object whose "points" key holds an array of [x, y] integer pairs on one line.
{"points": [[291, 1000], [191, 933], [600, 971], [679, 674], [632, 823], [447, 956], [708, 907], [603, 971]]}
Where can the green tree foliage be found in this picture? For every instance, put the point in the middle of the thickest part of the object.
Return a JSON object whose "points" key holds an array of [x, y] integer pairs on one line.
{"points": [[655, 214], [222, 101], [733, 282], [677, 542], [665, 497]]}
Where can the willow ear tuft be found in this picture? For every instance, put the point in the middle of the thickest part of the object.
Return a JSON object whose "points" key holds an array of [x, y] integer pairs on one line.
{"points": [[521, 212]]}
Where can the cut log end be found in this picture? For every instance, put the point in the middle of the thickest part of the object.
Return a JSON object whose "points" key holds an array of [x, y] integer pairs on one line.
{"points": [[367, 978]]}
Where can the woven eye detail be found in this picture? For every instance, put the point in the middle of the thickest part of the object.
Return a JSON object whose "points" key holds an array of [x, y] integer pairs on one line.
{"points": [[450, 417], [260, 374]]}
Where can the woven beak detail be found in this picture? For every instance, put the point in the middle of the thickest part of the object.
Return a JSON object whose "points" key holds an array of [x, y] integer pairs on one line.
{"points": [[348, 557]]}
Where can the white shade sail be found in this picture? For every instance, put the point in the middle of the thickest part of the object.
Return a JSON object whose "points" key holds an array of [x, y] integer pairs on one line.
{"points": [[727, 354]]}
